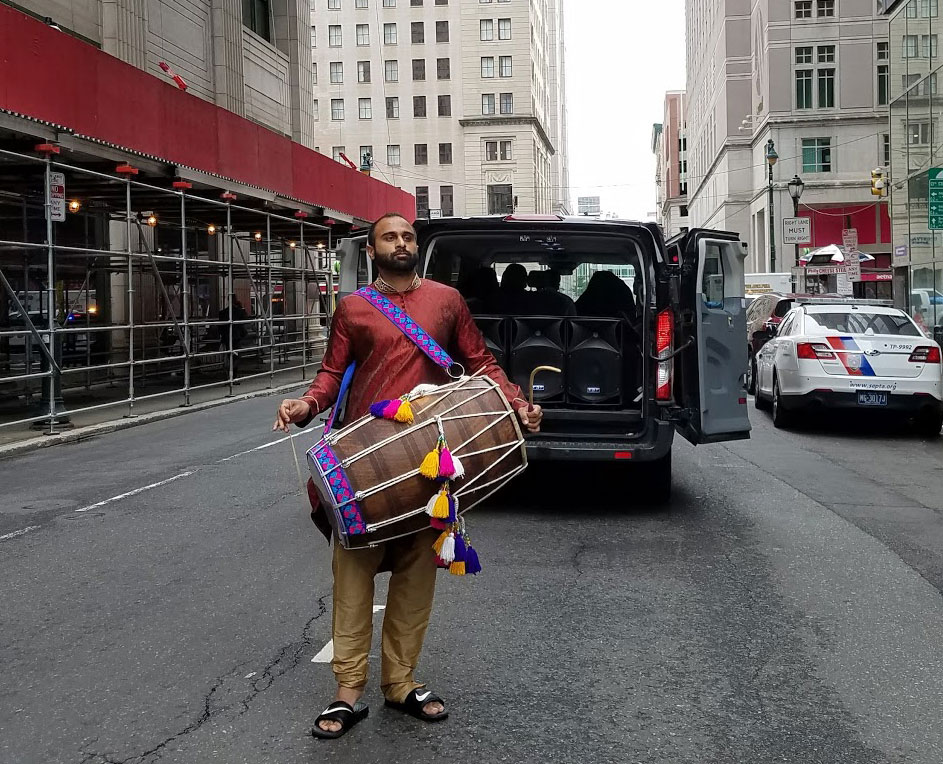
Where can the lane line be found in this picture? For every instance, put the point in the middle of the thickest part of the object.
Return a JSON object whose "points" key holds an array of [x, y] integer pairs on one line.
{"points": [[326, 653], [136, 491], [264, 445], [20, 532]]}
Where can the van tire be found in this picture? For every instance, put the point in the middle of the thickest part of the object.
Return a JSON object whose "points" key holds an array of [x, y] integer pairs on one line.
{"points": [[751, 375], [781, 418], [658, 480]]}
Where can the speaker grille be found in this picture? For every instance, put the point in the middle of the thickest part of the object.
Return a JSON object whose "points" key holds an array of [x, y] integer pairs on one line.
{"points": [[594, 360], [538, 342]]}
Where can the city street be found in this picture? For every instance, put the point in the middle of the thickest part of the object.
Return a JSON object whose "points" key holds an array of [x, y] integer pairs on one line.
{"points": [[165, 593]]}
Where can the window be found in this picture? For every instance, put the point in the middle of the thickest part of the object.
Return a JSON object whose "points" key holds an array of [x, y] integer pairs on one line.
{"points": [[442, 31], [365, 108], [505, 147], [443, 69], [486, 29], [909, 80], [441, 2], [366, 156], [337, 72], [389, 34], [337, 108], [504, 66], [909, 46], [928, 46], [846, 322], [391, 71], [826, 88], [882, 51], [417, 32], [712, 280], [484, 2], [816, 154], [487, 103], [315, 111], [918, 133], [884, 79], [389, 3], [500, 199], [360, 4], [333, 5], [825, 8], [804, 55], [487, 66], [803, 88], [826, 54], [419, 106], [334, 37], [415, 3], [419, 69], [314, 73], [363, 34], [803, 9], [445, 153], [507, 103], [445, 106], [392, 108], [336, 152], [363, 71], [504, 29], [421, 152], [446, 204], [314, 36], [886, 152], [929, 9], [491, 151], [393, 158], [422, 201]]}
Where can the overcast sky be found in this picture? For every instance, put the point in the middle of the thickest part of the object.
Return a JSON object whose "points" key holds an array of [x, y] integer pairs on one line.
{"points": [[622, 55]]}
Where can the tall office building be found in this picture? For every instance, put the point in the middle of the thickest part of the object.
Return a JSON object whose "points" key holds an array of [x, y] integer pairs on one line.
{"points": [[812, 77], [669, 144], [461, 103]]}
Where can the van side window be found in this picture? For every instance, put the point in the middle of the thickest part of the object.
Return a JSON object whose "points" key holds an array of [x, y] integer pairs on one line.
{"points": [[364, 271], [712, 284]]}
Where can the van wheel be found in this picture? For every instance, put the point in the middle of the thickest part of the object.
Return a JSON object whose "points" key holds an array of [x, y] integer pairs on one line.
{"points": [[930, 424], [759, 402], [781, 417], [658, 480], [751, 376]]}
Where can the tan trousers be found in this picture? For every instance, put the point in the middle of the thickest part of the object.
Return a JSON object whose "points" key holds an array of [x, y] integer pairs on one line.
{"points": [[408, 606]]}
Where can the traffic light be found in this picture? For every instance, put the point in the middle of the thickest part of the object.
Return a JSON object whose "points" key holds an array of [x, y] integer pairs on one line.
{"points": [[878, 182]]}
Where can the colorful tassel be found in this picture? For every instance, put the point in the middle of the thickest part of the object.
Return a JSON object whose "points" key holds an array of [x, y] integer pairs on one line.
{"points": [[453, 508], [404, 413], [440, 563], [446, 465], [439, 543], [460, 548], [430, 465], [442, 508], [472, 566], [439, 525], [448, 549], [458, 469], [379, 408], [457, 568]]}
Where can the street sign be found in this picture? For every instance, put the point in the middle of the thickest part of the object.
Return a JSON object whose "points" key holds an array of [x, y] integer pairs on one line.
{"points": [[935, 207], [900, 251], [797, 230], [849, 237], [57, 197], [843, 285]]}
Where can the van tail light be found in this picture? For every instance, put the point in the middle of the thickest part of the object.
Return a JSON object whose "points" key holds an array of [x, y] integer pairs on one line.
{"points": [[925, 354], [664, 345], [814, 351]]}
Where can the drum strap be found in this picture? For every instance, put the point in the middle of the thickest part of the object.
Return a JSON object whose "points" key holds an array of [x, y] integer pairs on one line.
{"points": [[413, 331], [341, 396]]}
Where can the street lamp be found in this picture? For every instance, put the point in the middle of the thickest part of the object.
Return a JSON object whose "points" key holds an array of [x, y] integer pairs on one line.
{"points": [[795, 191], [771, 159]]}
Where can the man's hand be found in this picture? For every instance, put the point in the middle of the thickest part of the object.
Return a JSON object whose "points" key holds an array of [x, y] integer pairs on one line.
{"points": [[531, 417], [291, 410]]}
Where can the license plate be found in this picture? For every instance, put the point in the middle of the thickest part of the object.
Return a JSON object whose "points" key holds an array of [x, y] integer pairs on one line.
{"points": [[872, 399]]}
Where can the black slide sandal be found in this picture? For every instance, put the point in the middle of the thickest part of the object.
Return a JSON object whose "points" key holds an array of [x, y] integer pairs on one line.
{"points": [[342, 713], [414, 703]]}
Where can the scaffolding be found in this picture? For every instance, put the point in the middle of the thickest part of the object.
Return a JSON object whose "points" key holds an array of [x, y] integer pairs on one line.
{"points": [[114, 290]]}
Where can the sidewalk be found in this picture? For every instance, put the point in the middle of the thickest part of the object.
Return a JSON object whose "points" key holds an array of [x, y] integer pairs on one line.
{"points": [[21, 439]]}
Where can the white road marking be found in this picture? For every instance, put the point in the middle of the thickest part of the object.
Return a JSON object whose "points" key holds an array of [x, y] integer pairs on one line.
{"points": [[264, 445], [326, 653], [249, 676], [20, 532], [136, 491]]}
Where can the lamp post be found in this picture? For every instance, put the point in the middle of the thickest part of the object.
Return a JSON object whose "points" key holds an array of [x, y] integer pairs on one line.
{"points": [[795, 191], [771, 158]]}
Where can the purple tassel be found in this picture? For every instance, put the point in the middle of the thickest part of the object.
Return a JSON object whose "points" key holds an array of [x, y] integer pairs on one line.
{"points": [[446, 465], [379, 409], [439, 525], [460, 549], [472, 566], [453, 515]]}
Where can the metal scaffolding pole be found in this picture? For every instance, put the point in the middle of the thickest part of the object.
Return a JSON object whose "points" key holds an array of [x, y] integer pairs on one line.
{"points": [[129, 253], [304, 302], [269, 301], [229, 289], [185, 299]]}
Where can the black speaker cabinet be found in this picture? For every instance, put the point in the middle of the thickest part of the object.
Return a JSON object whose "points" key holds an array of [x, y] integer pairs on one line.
{"points": [[594, 360], [495, 331], [538, 341]]}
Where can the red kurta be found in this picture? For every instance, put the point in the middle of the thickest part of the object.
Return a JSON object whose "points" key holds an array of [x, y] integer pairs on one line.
{"points": [[390, 365]]}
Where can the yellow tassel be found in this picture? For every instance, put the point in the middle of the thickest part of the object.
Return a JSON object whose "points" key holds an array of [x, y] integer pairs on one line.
{"points": [[441, 508], [430, 465], [437, 546], [457, 568], [405, 413]]}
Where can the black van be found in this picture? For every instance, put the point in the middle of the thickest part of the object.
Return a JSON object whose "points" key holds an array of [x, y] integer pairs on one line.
{"points": [[649, 338]]}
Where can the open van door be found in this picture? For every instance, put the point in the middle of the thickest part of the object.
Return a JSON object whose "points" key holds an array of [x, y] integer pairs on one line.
{"points": [[712, 329]]}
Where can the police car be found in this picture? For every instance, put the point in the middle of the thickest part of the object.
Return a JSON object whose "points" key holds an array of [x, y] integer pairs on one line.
{"points": [[862, 355]]}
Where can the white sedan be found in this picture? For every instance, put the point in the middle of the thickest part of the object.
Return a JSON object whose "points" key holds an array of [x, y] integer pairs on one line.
{"points": [[836, 354]]}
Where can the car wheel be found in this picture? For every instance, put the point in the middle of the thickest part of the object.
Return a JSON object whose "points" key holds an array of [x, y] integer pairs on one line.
{"points": [[751, 376], [930, 424], [658, 480], [781, 417]]}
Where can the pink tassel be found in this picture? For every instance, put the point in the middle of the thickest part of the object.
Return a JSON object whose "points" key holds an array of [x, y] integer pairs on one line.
{"points": [[439, 525], [446, 465], [389, 411]]}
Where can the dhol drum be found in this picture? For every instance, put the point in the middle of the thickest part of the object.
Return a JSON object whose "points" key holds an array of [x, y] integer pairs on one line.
{"points": [[368, 474]]}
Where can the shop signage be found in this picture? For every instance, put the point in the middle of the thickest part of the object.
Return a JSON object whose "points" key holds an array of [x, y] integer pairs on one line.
{"points": [[900, 251]]}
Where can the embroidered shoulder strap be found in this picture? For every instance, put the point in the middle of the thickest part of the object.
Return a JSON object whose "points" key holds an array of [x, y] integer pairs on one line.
{"points": [[410, 328]]}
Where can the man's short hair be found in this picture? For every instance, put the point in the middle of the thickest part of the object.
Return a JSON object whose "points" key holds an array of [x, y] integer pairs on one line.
{"points": [[372, 231]]}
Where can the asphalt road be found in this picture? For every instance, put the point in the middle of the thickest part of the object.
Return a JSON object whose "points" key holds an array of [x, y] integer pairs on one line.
{"points": [[785, 608]]}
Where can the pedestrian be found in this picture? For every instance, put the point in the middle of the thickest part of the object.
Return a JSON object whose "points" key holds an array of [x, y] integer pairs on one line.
{"points": [[388, 366]]}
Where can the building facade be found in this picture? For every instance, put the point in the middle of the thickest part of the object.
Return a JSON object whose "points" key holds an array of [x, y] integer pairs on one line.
{"points": [[916, 156], [669, 144], [812, 77], [461, 103]]}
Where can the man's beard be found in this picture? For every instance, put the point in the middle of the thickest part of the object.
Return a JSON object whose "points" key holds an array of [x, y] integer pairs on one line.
{"points": [[393, 262]]}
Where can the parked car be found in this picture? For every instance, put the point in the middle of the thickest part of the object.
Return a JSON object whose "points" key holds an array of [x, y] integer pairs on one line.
{"points": [[764, 315], [851, 355], [668, 357]]}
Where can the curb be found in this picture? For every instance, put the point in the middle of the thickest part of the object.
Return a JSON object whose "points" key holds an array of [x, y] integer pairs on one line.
{"points": [[94, 430]]}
